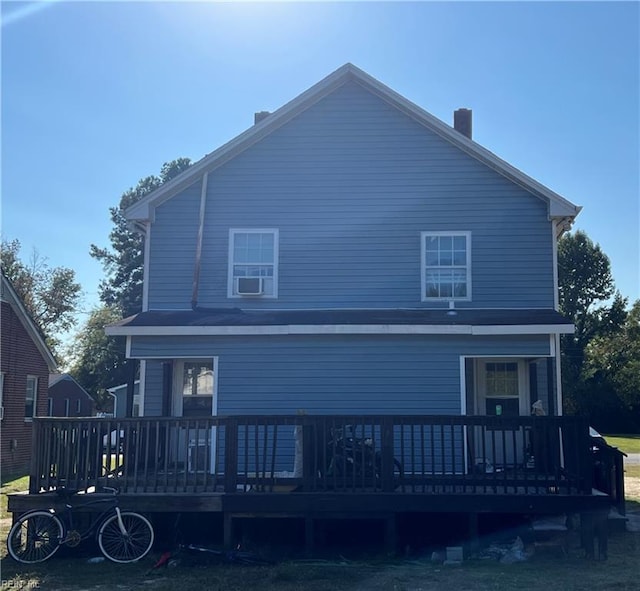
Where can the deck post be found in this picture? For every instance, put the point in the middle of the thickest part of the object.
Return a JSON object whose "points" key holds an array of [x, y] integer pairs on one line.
{"points": [[386, 433], [309, 535], [227, 520], [230, 455], [391, 535], [35, 464], [474, 538], [594, 534]]}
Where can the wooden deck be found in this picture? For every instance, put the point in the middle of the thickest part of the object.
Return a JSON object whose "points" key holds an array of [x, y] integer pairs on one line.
{"points": [[326, 466]]}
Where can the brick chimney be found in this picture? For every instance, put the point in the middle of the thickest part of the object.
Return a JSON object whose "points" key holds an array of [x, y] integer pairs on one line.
{"points": [[462, 121], [259, 116]]}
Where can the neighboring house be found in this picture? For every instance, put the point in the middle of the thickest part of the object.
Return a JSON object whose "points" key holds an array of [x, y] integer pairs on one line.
{"points": [[119, 394], [25, 364], [350, 253], [67, 398]]}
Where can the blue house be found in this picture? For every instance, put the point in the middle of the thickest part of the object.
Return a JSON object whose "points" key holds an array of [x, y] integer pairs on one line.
{"points": [[350, 253], [350, 308]]}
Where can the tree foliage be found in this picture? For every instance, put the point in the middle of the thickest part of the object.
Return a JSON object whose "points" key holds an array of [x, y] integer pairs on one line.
{"points": [[612, 372], [588, 297], [122, 261], [50, 294], [99, 360]]}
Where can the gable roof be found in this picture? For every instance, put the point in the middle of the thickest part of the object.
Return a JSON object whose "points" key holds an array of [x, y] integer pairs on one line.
{"points": [[56, 378], [10, 296], [559, 207]]}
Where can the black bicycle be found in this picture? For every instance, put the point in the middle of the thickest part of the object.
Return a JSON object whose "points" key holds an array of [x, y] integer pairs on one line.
{"points": [[123, 536], [353, 456]]}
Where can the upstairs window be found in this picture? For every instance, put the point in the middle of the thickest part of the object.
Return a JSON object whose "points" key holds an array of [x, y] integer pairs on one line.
{"points": [[31, 398], [253, 263], [1, 395], [446, 266]]}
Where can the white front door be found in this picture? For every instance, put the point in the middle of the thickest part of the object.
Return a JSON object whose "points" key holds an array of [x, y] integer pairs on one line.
{"points": [[195, 396]]}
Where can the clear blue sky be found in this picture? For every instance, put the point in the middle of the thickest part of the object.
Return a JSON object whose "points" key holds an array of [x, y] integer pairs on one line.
{"points": [[97, 95]]}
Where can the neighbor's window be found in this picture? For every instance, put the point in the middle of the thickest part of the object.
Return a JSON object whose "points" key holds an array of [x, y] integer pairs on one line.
{"points": [[197, 388], [31, 398], [78, 406], [66, 407], [1, 395], [253, 263], [50, 407], [446, 265]]}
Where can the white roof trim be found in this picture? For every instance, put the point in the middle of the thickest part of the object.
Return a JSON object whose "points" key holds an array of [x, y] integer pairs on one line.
{"points": [[303, 329], [10, 295], [559, 207]]}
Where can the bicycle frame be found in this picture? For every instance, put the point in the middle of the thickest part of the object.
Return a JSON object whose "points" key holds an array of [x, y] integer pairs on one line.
{"points": [[66, 516]]}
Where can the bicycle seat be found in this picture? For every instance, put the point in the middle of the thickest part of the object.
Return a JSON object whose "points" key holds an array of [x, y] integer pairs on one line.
{"points": [[65, 493]]}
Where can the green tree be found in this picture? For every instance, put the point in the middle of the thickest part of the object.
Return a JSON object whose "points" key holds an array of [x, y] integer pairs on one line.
{"points": [[612, 371], [122, 262], [98, 361], [586, 289], [50, 295]]}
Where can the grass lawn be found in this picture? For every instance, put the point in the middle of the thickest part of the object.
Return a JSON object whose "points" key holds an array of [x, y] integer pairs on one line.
{"points": [[629, 444], [546, 569], [11, 484]]}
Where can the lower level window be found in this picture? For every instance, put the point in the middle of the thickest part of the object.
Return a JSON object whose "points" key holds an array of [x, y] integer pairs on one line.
{"points": [[197, 388]]}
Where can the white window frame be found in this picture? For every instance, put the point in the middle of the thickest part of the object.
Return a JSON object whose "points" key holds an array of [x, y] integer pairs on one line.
{"points": [[67, 407], [50, 407], [423, 265], [231, 283], [78, 406], [34, 381]]}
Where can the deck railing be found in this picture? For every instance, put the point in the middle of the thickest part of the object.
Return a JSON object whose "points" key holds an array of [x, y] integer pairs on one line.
{"points": [[338, 454]]}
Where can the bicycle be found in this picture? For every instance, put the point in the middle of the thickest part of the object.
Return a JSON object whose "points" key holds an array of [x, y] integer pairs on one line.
{"points": [[123, 536], [353, 456]]}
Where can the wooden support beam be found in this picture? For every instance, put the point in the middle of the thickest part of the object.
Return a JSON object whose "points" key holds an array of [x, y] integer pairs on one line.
{"points": [[228, 531], [309, 535], [391, 535], [474, 537]]}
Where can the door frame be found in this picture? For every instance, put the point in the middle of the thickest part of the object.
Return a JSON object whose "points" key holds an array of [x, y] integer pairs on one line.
{"points": [[480, 397], [176, 399], [178, 371]]}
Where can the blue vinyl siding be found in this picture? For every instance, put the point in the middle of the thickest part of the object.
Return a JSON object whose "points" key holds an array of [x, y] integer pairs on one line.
{"points": [[153, 389], [332, 374], [350, 184]]}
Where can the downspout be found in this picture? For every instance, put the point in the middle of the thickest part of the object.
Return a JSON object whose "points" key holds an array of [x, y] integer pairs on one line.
{"points": [[196, 270]]}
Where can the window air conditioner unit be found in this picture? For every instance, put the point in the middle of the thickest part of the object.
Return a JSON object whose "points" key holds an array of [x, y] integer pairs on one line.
{"points": [[250, 286]]}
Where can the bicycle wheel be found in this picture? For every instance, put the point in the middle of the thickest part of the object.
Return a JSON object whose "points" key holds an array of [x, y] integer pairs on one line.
{"points": [[35, 537], [130, 546]]}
